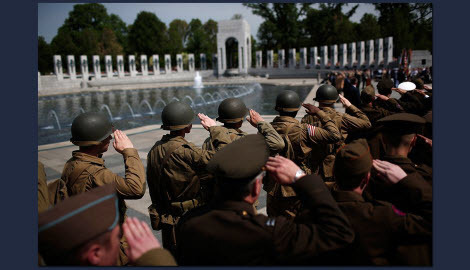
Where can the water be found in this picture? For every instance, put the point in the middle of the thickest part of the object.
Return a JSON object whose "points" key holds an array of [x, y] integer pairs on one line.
{"points": [[135, 108]]}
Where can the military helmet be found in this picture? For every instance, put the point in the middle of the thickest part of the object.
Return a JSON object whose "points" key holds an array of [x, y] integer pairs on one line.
{"points": [[327, 94], [232, 110], [177, 115], [287, 101], [90, 128]]}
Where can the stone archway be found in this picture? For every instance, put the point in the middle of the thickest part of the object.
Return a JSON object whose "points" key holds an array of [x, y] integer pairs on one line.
{"points": [[230, 55], [231, 47]]}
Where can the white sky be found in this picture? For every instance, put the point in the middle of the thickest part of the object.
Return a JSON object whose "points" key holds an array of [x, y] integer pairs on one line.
{"points": [[52, 15]]}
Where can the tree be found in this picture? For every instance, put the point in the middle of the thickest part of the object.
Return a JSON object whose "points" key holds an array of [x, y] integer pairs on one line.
{"points": [[197, 39], [177, 32], [368, 28], [45, 55], [148, 35], [210, 28], [120, 30]]}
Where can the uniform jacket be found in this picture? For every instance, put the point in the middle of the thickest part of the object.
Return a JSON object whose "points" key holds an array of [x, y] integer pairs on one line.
{"points": [[231, 233], [409, 167], [391, 105], [382, 228], [43, 192], [156, 257]]}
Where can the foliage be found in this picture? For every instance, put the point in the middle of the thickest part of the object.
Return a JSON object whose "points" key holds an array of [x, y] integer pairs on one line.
{"points": [[148, 35], [45, 63]]}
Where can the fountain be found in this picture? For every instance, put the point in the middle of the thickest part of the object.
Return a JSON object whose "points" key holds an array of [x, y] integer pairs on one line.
{"points": [[198, 81]]}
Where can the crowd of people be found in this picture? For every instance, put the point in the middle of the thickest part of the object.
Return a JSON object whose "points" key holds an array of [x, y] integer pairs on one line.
{"points": [[352, 188]]}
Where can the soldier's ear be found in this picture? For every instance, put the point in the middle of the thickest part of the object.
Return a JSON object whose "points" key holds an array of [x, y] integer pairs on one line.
{"points": [[94, 254]]}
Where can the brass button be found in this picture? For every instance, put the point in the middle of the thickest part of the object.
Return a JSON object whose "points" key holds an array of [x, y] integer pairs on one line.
{"points": [[244, 213]]}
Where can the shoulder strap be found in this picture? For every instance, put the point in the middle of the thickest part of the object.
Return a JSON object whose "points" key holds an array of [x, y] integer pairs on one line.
{"points": [[168, 155], [72, 179]]}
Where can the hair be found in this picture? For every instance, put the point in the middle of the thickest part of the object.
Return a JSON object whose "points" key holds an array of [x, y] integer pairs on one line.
{"points": [[234, 190], [351, 182], [353, 80], [339, 82], [397, 140], [291, 114]]}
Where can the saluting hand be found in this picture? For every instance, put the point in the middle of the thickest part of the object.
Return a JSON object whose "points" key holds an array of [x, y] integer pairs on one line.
{"points": [[283, 170], [399, 91], [382, 97], [139, 237], [345, 101], [388, 171], [310, 108], [121, 141], [254, 118], [206, 121], [426, 139]]}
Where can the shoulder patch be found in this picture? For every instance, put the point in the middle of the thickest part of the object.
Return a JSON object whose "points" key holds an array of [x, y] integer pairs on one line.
{"points": [[397, 211]]}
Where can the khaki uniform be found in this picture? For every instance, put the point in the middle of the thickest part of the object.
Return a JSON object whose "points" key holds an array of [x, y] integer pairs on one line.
{"points": [[322, 158], [383, 231], [84, 172], [391, 105], [177, 186], [231, 232], [156, 257], [43, 191], [299, 140], [273, 139]]}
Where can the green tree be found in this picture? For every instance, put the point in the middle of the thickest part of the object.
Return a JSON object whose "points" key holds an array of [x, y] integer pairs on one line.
{"points": [[120, 29], [148, 35], [177, 32], [197, 40], [45, 65], [368, 28]]}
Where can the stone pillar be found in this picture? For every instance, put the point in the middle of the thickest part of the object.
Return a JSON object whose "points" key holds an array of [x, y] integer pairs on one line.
{"points": [[203, 62], [313, 57], [242, 58], [71, 67], [292, 58], [324, 56], [132, 68], [303, 57], [334, 56], [144, 65], [379, 52], [58, 67], [167, 64], [191, 62], [84, 67], [343, 55], [370, 53], [97, 66], [120, 66], [270, 59], [39, 80], [352, 55], [259, 59], [388, 57], [156, 64], [280, 58], [179, 63], [215, 62], [109, 66], [361, 60]]}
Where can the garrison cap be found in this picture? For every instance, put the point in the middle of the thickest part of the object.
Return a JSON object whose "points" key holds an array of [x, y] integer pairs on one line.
{"points": [[368, 94], [402, 123], [241, 160], [353, 161], [77, 220]]}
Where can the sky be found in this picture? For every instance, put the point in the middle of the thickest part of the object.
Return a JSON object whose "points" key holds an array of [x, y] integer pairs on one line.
{"points": [[52, 15]]}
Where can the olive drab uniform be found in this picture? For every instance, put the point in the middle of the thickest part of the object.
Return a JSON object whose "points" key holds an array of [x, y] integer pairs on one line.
{"points": [[84, 172], [174, 168], [322, 159], [299, 141]]}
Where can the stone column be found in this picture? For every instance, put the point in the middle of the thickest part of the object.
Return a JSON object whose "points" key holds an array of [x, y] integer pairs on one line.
{"points": [[280, 58], [324, 56], [352, 55], [259, 59], [203, 64], [379, 52], [303, 57], [132, 68], [343, 55], [120, 66], [156, 64], [84, 67], [361, 60], [191, 62], [388, 50], [96, 66], [58, 67], [370, 53], [179, 63], [167, 64], [292, 58], [313, 57], [334, 56], [144, 65], [71, 67], [215, 62], [109, 66], [270, 59]]}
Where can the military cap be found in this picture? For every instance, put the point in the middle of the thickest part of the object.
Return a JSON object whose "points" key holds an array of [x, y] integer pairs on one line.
{"points": [[368, 94], [241, 160], [402, 123], [353, 161], [77, 220], [287, 101], [327, 94], [176, 116], [418, 82], [384, 86], [407, 86], [90, 128], [232, 110]]}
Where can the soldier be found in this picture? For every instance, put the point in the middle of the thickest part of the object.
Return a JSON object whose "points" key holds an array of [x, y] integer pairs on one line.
{"points": [[232, 233], [299, 140], [322, 159], [232, 111], [91, 131], [43, 192], [381, 228], [373, 112], [411, 100], [175, 168], [384, 101], [90, 223]]}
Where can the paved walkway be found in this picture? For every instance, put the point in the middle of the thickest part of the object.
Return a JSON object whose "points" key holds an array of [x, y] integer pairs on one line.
{"points": [[54, 156]]}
